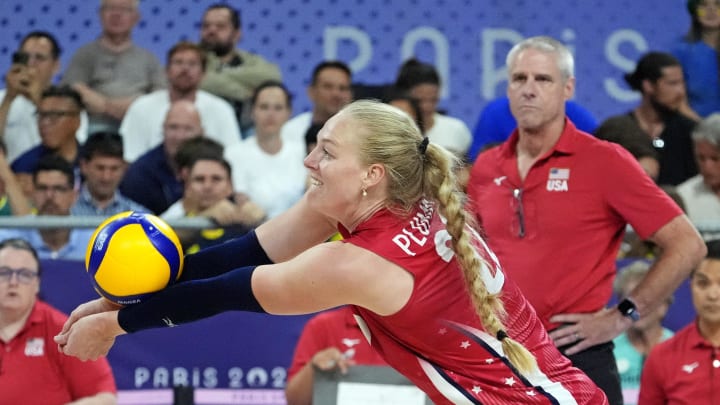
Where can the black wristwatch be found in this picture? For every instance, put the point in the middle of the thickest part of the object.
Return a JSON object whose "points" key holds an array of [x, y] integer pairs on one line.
{"points": [[628, 308]]}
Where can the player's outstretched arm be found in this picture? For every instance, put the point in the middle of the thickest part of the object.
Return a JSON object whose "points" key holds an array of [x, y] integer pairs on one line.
{"points": [[294, 231], [279, 239]]}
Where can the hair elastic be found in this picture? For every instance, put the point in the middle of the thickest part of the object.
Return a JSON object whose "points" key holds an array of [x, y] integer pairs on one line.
{"points": [[423, 145], [501, 334]]}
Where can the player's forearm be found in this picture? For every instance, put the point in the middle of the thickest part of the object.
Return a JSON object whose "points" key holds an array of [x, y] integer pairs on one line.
{"points": [[192, 300], [215, 260], [682, 250]]}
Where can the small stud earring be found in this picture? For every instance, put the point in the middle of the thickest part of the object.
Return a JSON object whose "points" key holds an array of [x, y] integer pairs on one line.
{"points": [[364, 193]]}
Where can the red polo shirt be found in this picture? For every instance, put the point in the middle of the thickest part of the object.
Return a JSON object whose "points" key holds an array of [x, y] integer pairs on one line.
{"points": [[34, 372], [575, 203], [336, 328], [682, 370]]}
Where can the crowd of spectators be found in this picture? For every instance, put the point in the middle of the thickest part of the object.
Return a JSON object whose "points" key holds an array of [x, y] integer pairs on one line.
{"points": [[213, 134]]}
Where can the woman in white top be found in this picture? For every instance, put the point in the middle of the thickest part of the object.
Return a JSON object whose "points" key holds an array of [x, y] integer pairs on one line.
{"points": [[422, 82], [266, 168]]}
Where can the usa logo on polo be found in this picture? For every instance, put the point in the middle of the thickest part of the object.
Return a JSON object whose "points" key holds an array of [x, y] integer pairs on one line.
{"points": [[558, 179]]}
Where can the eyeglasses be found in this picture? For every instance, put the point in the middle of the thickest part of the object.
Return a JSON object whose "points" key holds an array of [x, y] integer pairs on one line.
{"points": [[24, 276], [55, 188], [53, 116], [517, 204], [30, 56]]}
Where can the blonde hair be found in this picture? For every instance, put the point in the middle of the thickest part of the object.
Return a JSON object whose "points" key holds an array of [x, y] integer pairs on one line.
{"points": [[388, 136]]}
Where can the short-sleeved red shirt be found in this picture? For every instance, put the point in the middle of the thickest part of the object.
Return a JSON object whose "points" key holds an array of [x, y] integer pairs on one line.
{"points": [[335, 328], [34, 372], [682, 370], [575, 203]]}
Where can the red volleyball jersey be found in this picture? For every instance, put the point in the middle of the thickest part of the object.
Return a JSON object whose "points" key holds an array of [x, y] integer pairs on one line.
{"points": [[437, 340]]}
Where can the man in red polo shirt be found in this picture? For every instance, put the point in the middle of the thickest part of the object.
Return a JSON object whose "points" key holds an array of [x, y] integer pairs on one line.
{"points": [[330, 340], [685, 369], [32, 369], [554, 203]]}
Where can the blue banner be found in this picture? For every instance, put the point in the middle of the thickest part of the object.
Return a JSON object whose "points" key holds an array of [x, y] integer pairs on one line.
{"points": [[231, 350]]}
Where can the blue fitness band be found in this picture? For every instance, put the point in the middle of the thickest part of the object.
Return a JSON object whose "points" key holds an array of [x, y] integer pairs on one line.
{"points": [[193, 300], [215, 260]]}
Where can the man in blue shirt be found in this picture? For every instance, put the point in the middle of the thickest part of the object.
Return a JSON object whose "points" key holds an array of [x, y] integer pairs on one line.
{"points": [[153, 180], [53, 194], [102, 166]]}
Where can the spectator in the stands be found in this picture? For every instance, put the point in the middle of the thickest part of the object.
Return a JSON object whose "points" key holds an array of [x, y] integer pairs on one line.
{"points": [[153, 179], [232, 73], [633, 346], [269, 170], [53, 194], [628, 135], [12, 199], [142, 127], [422, 81], [112, 71], [698, 54], [58, 117], [658, 77], [329, 91], [701, 193], [32, 70], [208, 193], [409, 105], [103, 167]]}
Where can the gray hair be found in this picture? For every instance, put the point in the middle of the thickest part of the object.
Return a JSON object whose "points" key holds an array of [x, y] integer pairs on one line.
{"points": [[563, 57], [635, 271], [135, 4], [708, 130]]}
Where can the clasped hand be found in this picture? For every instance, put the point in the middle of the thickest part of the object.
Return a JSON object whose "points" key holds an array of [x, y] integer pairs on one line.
{"points": [[90, 330]]}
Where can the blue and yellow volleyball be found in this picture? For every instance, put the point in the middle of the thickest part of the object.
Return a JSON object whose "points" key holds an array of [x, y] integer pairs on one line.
{"points": [[133, 255]]}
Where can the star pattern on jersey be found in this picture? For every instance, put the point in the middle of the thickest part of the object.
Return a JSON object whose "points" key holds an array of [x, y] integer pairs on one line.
{"points": [[476, 389], [510, 381], [489, 361], [465, 344], [442, 331], [531, 393]]}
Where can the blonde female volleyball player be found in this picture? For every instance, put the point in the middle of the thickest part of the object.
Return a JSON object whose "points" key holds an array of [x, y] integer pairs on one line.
{"points": [[430, 296]]}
